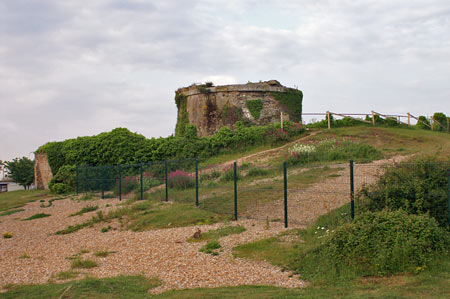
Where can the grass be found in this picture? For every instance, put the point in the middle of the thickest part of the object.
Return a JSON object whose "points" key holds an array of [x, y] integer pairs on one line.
{"points": [[16, 199], [10, 212], [211, 247], [37, 216], [50, 202], [150, 214], [112, 287], [64, 275], [215, 234], [83, 264], [103, 253], [84, 210]]}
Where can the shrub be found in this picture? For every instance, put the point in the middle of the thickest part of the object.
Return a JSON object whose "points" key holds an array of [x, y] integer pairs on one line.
{"points": [[423, 122], [386, 242], [149, 182], [59, 188], [180, 179], [419, 187]]}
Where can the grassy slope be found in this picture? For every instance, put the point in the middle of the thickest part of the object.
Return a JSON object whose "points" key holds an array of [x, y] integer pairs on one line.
{"points": [[16, 199]]}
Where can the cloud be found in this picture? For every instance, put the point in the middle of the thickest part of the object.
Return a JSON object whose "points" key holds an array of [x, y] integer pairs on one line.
{"points": [[71, 68]]}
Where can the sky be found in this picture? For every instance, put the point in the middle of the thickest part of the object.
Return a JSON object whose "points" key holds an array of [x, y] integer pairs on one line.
{"points": [[77, 68]]}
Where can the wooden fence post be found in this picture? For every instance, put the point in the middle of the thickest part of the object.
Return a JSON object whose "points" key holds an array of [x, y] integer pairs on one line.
{"points": [[432, 123], [329, 120], [373, 118], [409, 120]]}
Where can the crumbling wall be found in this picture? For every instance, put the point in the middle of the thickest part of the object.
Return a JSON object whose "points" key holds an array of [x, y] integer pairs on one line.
{"points": [[42, 171], [211, 107]]}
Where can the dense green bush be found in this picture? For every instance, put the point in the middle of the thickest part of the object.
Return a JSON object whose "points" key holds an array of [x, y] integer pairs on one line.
{"points": [[255, 107], [423, 123], [59, 188], [417, 187], [120, 146], [292, 100], [441, 118], [380, 243], [66, 175], [387, 242]]}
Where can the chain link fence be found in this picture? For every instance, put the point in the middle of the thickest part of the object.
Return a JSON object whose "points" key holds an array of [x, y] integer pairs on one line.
{"points": [[293, 194]]}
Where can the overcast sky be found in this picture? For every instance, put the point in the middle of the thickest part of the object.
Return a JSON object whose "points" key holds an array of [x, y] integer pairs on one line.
{"points": [[75, 68]]}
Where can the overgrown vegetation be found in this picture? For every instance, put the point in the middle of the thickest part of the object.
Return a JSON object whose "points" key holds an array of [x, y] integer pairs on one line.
{"points": [[292, 100], [120, 146], [16, 199], [332, 150], [418, 187], [10, 212], [255, 107], [211, 247]]}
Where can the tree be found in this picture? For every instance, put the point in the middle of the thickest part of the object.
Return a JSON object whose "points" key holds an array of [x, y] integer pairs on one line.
{"points": [[21, 171]]}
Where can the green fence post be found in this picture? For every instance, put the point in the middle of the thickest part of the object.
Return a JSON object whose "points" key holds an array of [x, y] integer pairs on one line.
{"points": [[167, 185], [77, 177], [448, 192], [102, 182], [285, 195], [142, 183], [235, 192], [196, 182], [352, 191], [120, 183], [85, 178]]}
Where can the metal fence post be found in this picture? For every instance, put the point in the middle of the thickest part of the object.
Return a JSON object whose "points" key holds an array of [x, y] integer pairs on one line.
{"points": [[85, 178], [77, 177], [167, 181], [235, 192], [352, 191], [285, 195], [196, 182], [120, 182], [142, 183], [102, 181]]}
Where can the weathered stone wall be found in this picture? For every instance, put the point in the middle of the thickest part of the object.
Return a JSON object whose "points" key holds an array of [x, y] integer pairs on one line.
{"points": [[42, 171], [210, 108]]}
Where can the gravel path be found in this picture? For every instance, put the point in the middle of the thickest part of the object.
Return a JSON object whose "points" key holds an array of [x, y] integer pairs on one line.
{"points": [[163, 253], [306, 205]]}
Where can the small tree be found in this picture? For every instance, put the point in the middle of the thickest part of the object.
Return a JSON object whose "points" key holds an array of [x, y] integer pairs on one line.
{"points": [[21, 171]]}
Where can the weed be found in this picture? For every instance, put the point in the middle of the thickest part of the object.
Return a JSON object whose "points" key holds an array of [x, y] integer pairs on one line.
{"points": [[106, 229], [257, 171], [24, 256], [211, 247], [86, 209], [36, 216], [66, 275], [10, 212], [7, 235], [85, 264], [103, 253]]}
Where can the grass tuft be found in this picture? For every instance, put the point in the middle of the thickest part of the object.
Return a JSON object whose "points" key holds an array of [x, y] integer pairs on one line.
{"points": [[84, 264], [37, 216]]}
